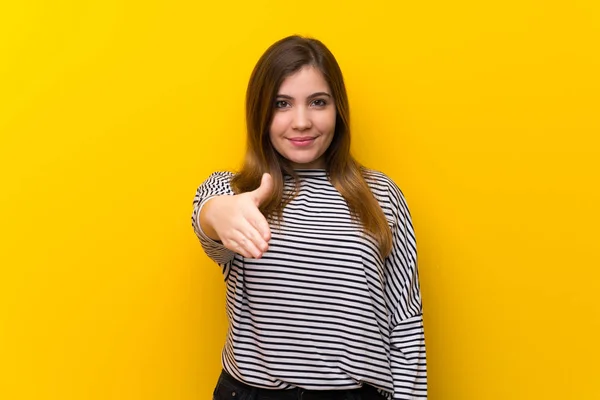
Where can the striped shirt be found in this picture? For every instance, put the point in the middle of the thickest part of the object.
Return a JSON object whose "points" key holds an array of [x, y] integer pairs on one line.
{"points": [[322, 309]]}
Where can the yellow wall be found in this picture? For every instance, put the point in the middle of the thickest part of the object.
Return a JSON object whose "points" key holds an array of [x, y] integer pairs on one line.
{"points": [[486, 114]]}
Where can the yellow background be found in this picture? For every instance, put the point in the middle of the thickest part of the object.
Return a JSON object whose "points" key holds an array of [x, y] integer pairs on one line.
{"points": [[111, 113]]}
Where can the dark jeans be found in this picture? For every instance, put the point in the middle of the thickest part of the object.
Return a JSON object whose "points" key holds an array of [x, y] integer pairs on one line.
{"points": [[228, 388]]}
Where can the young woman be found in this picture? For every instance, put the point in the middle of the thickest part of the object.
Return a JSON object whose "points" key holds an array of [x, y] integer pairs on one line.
{"points": [[318, 252]]}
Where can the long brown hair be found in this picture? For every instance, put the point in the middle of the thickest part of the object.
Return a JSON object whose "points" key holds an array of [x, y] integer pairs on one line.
{"points": [[281, 60]]}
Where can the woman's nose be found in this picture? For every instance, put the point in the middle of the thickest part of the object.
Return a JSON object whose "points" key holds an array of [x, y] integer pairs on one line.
{"points": [[301, 119]]}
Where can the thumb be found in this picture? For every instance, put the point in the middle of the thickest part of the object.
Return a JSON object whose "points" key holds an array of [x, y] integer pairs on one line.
{"points": [[265, 189]]}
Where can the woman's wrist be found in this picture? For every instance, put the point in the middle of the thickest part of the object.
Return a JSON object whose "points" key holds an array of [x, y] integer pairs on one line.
{"points": [[207, 212]]}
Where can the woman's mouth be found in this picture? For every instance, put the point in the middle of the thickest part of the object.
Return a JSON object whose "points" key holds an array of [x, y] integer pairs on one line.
{"points": [[302, 141]]}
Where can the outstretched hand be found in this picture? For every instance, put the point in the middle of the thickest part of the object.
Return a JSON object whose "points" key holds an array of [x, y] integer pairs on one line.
{"points": [[238, 222]]}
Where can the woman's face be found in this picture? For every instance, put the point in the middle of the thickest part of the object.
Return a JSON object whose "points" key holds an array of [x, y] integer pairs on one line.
{"points": [[304, 119]]}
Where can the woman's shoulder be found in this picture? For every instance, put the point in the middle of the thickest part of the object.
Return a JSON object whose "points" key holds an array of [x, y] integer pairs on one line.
{"points": [[218, 182], [221, 176], [386, 191], [378, 180]]}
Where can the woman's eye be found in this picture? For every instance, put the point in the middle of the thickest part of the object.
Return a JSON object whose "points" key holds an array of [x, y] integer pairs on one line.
{"points": [[281, 104], [320, 103]]}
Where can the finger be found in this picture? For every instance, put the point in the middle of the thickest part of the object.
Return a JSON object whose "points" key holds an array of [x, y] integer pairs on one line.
{"points": [[264, 191], [257, 239], [248, 246], [236, 246], [262, 226], [241, 249]]}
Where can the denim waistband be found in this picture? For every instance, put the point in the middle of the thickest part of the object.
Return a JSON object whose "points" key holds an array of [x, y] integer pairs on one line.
{"points": [[230, 388]]}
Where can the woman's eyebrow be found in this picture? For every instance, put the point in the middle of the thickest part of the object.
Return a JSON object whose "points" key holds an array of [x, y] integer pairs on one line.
{"points": [[317, 94]]}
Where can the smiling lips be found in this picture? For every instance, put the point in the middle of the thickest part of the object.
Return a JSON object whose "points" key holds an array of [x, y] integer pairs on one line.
{"points": [[302, 141]]}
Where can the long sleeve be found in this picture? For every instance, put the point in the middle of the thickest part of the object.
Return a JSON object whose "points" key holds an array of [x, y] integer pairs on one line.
{"points": [[217, 184], [403, 299]]}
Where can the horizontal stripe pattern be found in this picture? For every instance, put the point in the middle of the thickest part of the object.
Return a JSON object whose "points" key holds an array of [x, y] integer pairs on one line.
{"points": [[322, 310]]}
